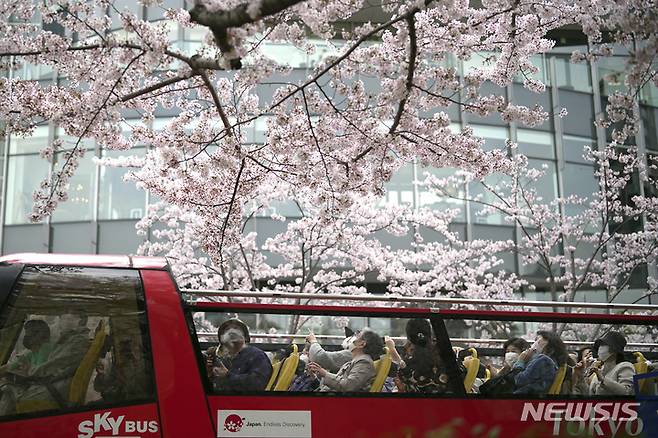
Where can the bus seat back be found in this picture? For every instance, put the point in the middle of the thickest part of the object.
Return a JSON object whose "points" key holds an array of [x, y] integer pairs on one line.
{"points": [[641, 367], [288, 369], [382, 367], [276, 368], [82, 376], [472, 368], [37, 405], [557, 381]]}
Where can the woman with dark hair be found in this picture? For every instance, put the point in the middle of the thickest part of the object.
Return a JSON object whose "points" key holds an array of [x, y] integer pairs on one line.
{"points": [[538, 365], [512, 349], [610, 374], [357, 374], [421, 369]]}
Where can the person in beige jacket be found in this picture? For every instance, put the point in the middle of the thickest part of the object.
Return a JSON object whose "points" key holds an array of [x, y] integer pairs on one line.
{"points": [[357, 374], [610, 374]]}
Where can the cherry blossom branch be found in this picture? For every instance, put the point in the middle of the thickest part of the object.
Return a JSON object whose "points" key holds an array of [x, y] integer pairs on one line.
{"points": [[218, 104], [154, 87], [71, 154], [231, 204], [219, 22], [413, 50]]}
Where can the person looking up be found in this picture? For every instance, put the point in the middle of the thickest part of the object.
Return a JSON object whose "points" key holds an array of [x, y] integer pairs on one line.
{"points": [[357, 374]]}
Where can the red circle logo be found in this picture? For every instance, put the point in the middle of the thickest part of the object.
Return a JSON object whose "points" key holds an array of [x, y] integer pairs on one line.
{"points": [[233, 423]]}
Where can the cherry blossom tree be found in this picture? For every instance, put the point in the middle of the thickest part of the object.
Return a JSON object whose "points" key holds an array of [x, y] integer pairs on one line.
{"points": [[329, 133], [578, 242], [316, 255]]}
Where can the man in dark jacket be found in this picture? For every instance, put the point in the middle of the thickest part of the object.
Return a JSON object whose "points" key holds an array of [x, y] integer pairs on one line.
{"points": [[235, 365]]}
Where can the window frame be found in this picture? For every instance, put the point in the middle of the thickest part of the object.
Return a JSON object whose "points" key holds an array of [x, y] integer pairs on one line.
{"points": [[437, 318]]}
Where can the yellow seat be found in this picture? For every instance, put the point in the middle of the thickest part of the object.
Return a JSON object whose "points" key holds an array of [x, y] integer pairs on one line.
{"points": [[472, 368], [82, 376], [557, 382], [382, 367], [79, 382], [641, 367], [25, 406], [276, 368], [288, 369]]}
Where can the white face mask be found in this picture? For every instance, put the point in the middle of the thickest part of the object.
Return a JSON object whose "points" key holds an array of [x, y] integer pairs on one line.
{"points": [[511, 357], [353, 345], [347, 342], [604, 353], [232, 335]]}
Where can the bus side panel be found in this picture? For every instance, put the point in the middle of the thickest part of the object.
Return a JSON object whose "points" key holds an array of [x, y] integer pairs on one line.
{"points": [[181, 398], [134, 421], [397, 417]]}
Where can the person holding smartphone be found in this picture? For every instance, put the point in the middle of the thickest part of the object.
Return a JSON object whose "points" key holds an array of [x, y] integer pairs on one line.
{"points": [[610, 374], [539, 364], [237, 366]]}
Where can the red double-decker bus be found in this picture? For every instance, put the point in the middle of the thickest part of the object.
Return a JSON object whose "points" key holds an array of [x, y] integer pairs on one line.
{"points": [[108, 346]]}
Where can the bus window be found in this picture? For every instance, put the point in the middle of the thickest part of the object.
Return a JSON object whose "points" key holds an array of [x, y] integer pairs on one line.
{"points": [[521, 358], [73, 337], [253, 352]]}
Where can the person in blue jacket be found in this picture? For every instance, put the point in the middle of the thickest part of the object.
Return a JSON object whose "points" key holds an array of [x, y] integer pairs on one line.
{"points": [[537, 366], [237, 366]]}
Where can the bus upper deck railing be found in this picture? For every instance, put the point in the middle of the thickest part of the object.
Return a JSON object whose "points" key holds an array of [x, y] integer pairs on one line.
{"points": [[394, 299], [336, 339]]}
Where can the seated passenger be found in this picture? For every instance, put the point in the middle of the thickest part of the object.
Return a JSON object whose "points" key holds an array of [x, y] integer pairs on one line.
{"points": [[585, 354], [304, 380], [330, 360], [512, 348], [421, 368], [357, 374], [36, 339], [48, 381], [538, 365], [237, 366], [610, 374], [125, 376]]}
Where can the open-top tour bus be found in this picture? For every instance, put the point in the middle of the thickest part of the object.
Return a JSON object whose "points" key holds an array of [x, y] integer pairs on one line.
{"points": [[125, 359]]}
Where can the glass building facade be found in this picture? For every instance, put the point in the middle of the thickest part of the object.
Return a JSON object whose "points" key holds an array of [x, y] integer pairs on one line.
{"points": [[102, 210]]}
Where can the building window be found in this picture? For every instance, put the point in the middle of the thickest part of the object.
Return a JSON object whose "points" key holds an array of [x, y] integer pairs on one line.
{"points": [[24, 175], [119, 199], [494, 137], [79, 205], [574, 148], [536, 144], [571, 76]]}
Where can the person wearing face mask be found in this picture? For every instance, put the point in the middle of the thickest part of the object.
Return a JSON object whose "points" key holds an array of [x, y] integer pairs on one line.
{"points": [[357, 374], [610, 374], [512, 349], [537, 366], [237, 366]]}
